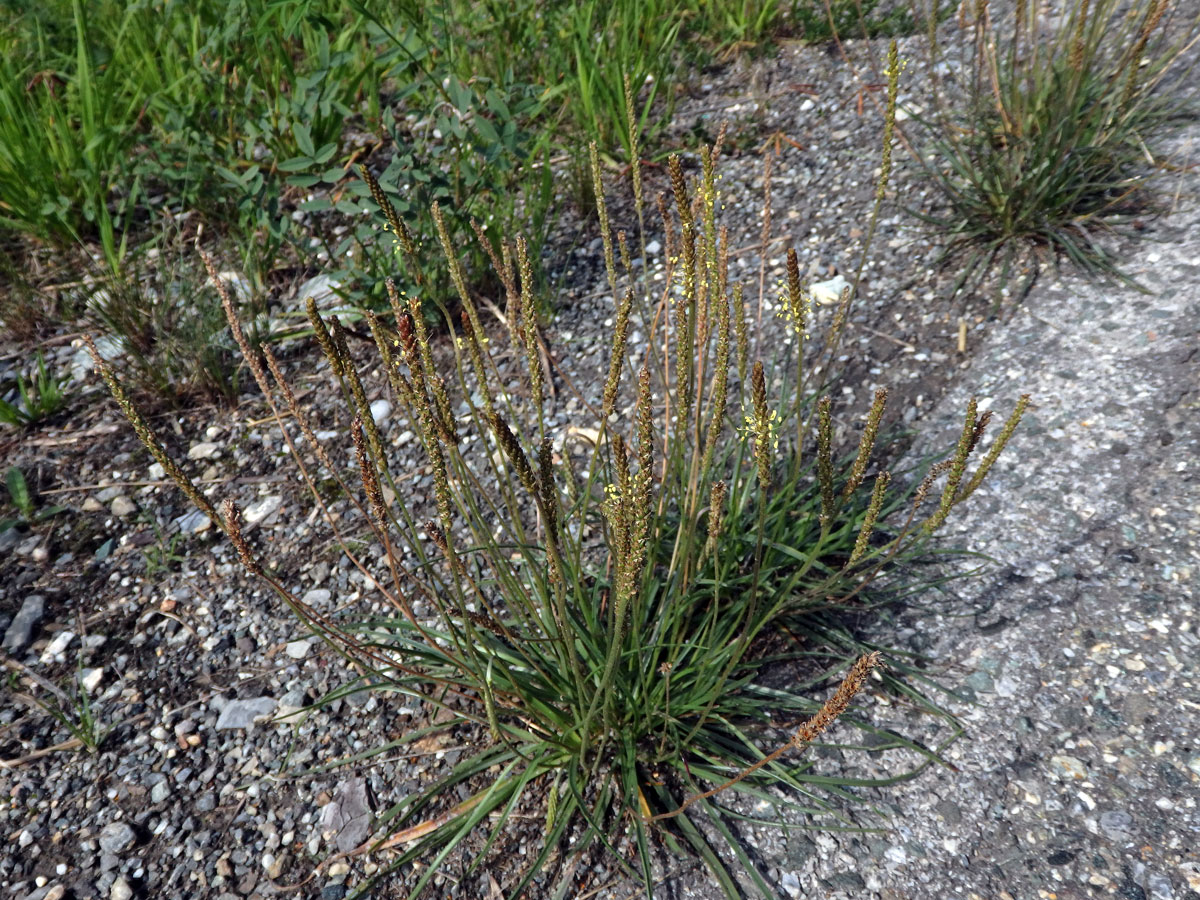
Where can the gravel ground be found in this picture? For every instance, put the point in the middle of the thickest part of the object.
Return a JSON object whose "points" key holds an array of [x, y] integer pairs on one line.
{"points": [[1078, 652], [1073, 659]]}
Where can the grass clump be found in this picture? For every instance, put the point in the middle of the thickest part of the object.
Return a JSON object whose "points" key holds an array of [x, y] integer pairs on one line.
{"points": [[170, 338], [37, 397], [596, 604], [1047, 140]]}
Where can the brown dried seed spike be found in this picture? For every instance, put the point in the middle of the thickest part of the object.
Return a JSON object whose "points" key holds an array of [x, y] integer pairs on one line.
{"points": [[233, 527], [679, 187], [980, 427], [324, 339], [825, 456], [838, 703]]}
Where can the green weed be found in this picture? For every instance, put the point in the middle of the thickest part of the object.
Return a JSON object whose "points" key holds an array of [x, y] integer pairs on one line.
{"points": [[74, 711], [164, 553], [37, 398], [72, 708], [24, 500], [64, 140], [19, 494]]}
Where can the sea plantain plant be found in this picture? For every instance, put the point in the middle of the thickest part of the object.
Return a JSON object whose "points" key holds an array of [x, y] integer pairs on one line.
{"points": [[597, 627], [1047, 133]]}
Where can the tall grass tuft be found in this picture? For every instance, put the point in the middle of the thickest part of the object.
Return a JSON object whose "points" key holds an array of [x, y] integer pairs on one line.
{"points": [[1048, 137], [595, 604]]}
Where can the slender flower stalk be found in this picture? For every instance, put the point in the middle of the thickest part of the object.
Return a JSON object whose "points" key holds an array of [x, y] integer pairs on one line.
{"points": [[324, 339], [996, 449], [363, 405], [872, 515], [958, 465], [232, 517], [403, 237], [670, 246], [602, 211], [866, 443], [617, 361], [149, 438], [829, 712], [742, 330], [825, 458], [763, 425], [529, 325]]}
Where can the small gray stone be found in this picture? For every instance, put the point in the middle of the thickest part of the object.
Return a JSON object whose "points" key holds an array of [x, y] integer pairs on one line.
{"points": [[123, 506], [89, 679], [289, 704], [323, 289], [316, 597], [20, 632], [298, 649], [348, 815], [1117, 825], [991, 665], [791, 883], [243, 713], [950, 812], [980, 681], [160, 792], [193, 522], [381, 411], [262, 510], [56, 650], [333, 892], [9, 538], [120, 889], [848, 881], [117, 837], [1068, 768], [203, 450], [1159, 886], [1006, 687]]}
